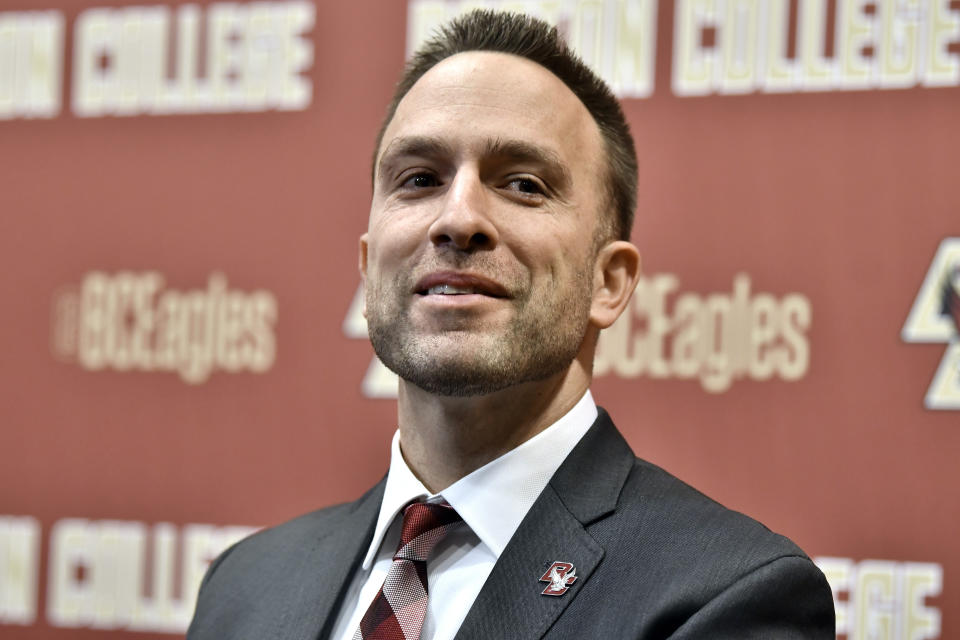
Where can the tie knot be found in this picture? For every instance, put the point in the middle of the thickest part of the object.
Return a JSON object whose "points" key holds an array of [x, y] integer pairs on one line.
{"points": [[424, 525]]}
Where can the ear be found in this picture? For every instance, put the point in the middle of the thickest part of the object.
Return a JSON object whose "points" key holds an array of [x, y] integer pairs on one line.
{"points": [[616, 270], [363, 269]]}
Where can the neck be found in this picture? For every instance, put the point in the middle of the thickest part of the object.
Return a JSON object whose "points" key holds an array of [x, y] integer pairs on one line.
{"points": [[444, 438]]}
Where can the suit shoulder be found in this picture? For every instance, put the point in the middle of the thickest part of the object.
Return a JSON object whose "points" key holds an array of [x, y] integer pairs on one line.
{"points": [[695, 557], [309, 525], [660, 506], [241, 590], [282, 544]]}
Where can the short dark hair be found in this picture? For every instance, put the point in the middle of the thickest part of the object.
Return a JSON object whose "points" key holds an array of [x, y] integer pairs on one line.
{"points": [[535, 40]]}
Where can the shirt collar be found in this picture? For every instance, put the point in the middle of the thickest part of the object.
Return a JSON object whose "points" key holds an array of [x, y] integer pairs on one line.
{"points": [[495, 498]]}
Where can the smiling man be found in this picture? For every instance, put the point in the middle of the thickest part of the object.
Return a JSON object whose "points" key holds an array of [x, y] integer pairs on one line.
{"points": [[504, 185]]}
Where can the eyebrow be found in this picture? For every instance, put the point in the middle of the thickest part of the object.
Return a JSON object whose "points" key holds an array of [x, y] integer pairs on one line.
{"points": [[534, 154], [413, 146], [516, 150]]}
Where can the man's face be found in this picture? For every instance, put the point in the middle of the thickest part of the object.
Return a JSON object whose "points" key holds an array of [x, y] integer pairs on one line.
{"points": [[478, 259]]}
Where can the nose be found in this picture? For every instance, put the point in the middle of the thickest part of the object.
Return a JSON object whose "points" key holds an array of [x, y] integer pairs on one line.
{"points": [[464, 223]]}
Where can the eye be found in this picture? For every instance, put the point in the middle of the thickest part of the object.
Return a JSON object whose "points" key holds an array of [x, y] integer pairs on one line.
{"points": [[527, 187], [420, 181]]}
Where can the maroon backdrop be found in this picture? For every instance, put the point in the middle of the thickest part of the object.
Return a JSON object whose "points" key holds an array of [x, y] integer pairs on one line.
{"points": [[181, 192]]}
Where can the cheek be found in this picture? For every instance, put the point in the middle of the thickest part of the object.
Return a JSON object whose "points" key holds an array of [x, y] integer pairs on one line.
{"points": [[572, 272], [389, 242], [557, 250], [552, 276]]}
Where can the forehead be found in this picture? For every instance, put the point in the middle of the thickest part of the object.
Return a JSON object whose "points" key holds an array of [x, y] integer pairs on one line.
{"points": [[474, 97]]}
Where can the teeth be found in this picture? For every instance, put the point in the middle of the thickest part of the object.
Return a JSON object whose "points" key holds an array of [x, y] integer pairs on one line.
{"points": [[449, 290]]}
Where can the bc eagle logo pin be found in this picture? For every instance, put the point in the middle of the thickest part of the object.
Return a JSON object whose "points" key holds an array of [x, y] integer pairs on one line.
{"points": [[560, 575]]}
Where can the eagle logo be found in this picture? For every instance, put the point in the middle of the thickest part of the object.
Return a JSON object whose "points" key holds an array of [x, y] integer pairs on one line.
{"points": [[935, 317], [560, 575]]}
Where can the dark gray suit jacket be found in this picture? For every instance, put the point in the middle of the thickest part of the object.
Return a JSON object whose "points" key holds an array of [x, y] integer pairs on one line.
{"points": [[654, 559]]}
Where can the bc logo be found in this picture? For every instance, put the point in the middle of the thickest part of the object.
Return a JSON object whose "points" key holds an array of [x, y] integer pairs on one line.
{"points": [[560, 575]]}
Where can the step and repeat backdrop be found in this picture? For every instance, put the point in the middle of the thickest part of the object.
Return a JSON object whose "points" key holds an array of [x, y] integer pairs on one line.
{"points": [[182, 187]]}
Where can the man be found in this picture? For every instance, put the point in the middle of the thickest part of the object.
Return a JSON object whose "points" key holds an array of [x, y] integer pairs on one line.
{"points": [[504, 185]]}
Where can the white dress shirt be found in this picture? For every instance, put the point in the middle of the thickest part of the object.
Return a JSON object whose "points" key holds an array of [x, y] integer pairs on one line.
{"points": [[492, 501]]}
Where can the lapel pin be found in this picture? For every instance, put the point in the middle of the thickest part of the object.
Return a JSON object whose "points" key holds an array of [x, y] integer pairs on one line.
{"points": [[560, 575]]}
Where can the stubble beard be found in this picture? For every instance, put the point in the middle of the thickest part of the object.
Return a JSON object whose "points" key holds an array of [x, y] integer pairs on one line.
{"points": [[542, 339]]}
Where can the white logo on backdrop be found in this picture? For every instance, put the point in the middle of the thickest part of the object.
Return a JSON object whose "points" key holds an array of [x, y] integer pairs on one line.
{"points": [[132, 321], [152, 60], [935, 317]]}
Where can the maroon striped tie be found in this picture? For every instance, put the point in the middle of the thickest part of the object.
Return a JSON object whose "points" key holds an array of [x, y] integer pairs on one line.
{"points": [[398, 611]]}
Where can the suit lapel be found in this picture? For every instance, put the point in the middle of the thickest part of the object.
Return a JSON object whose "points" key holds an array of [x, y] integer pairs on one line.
{"points": [[510, 605], [319, 581], [584, 489]]}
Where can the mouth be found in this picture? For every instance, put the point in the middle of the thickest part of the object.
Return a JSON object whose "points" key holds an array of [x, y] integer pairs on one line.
{"points": [[450, 283]]}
